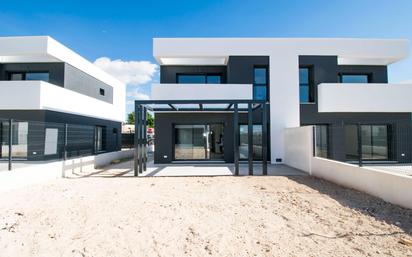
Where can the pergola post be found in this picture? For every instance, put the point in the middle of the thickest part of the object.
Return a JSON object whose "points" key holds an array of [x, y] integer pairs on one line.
{"points": [[140, 128], [236, 138], [144, 138], [10, 143], [136, 140], [250, 137], [264, 140]]}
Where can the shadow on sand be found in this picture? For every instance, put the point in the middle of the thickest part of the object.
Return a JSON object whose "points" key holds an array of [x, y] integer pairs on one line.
{"points": [[363, 203]]}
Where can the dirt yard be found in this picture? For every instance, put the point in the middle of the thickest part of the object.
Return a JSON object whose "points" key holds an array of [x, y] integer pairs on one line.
{"points": [[188, 216]]}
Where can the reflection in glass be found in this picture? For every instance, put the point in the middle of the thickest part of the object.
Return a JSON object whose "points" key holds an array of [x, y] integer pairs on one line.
{"points": [[19, 139], [257, 142], [348, 78]]}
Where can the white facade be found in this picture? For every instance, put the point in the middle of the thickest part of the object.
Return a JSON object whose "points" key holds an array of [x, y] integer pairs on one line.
{"points": [[283, 66], [45, 96], [364, 97]]}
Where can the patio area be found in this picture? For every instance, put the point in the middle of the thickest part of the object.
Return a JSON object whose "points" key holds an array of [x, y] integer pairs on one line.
{"points": [[125, 169]]}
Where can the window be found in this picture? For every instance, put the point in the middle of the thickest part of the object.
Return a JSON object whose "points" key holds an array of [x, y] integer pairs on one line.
{"points": [[102, 91], [321, 141], [375, 142], [260, 87], [257, 142], [44, 76], [305, 86], [354, 78], [198, 78]]}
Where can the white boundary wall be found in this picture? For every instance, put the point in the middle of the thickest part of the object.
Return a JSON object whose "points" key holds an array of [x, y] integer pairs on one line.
{"points": [[42, 172], [391, 187]]}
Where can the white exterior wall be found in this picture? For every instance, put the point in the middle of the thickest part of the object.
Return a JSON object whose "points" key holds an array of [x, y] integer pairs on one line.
{"points": [[364, 97], [283, 54], [201, 91], [299, 147], [391, 187], [40, 95]]}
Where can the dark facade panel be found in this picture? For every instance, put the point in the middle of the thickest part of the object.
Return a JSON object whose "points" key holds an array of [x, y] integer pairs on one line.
{"points": [[240, 68], [78, 81], [39, 120], [55, 69], [168, 73], [326, 70], [164, 123]]}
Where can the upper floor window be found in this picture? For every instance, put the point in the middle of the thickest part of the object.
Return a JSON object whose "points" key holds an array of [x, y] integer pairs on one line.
{"points": [[353, 78], [44, 76], [305, 86], [199, 79], [260, 83]]}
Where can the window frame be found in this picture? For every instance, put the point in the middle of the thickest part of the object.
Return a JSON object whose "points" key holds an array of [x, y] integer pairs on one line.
{"points": [[266, 67], [311, 85], [204, 74], [341, 74], [24, 75]]}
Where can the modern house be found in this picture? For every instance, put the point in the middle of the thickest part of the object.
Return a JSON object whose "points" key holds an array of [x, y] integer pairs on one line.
{"points": [[332, 83], [53, 96]]}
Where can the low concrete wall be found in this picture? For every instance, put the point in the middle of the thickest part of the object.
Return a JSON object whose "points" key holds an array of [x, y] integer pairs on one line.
{"points": [[391, 187], [299, 147], [41, 172]]}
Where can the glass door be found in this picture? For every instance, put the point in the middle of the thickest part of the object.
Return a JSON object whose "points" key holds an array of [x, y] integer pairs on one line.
{"points": [[198, 142]]}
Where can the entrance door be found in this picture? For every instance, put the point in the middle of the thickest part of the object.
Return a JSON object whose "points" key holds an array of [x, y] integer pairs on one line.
{"points": [[198, 142]]}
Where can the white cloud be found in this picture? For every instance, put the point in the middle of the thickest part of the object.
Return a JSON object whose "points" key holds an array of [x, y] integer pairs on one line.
{"points": [[135, 95], [133, 73]]}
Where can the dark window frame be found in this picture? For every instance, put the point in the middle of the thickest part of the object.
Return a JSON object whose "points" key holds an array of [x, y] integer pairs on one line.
{"points": [[311, 84], [367, 74], [24, 74], [266, 67], [205, 74], [102, 92]]}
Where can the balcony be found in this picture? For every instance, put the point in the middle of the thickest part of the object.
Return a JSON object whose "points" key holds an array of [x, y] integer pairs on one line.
{"points": [[40, 95], [202, 91], [364, 97]]}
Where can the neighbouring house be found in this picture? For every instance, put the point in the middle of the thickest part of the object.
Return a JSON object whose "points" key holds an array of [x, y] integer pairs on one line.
{"points": [[54, 96], [331, 83]]}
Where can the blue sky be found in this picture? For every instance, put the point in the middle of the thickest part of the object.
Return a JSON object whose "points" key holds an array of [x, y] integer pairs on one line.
{"points": [[124, 29]]}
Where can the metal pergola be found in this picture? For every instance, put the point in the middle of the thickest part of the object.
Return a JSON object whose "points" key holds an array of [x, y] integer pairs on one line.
{"points": [[230, 105]]}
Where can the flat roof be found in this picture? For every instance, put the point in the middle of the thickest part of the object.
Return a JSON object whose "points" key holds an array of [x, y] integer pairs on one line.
{"points": [[35, 49], [215, 51]]}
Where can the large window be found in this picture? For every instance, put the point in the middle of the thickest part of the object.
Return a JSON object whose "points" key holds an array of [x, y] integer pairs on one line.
{"points": [[260, 83], [305, 85], [257, 142], [19, 139], [199, 79], [44, 76], [353, 78], [321, 141], [375, 143]]}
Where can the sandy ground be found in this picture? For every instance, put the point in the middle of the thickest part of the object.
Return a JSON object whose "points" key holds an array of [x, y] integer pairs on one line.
{"points": [[189, 216]]}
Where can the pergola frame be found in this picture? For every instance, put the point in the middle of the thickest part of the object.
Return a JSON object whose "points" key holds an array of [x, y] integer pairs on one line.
{"points": [[142, 106]]}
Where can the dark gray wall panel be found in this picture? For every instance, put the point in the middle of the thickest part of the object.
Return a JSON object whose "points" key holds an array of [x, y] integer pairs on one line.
{"points": [[55, 69], [326, 70], [85, 84], [240, 68], [168, 74], [56, 120]]}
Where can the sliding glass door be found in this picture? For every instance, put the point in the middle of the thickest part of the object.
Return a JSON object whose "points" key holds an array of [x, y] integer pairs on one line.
{"points": [[375, 142], [198, 142], [257, 142]]}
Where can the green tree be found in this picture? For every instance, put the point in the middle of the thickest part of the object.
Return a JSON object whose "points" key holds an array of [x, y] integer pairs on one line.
{"points": [[149, 118]]}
